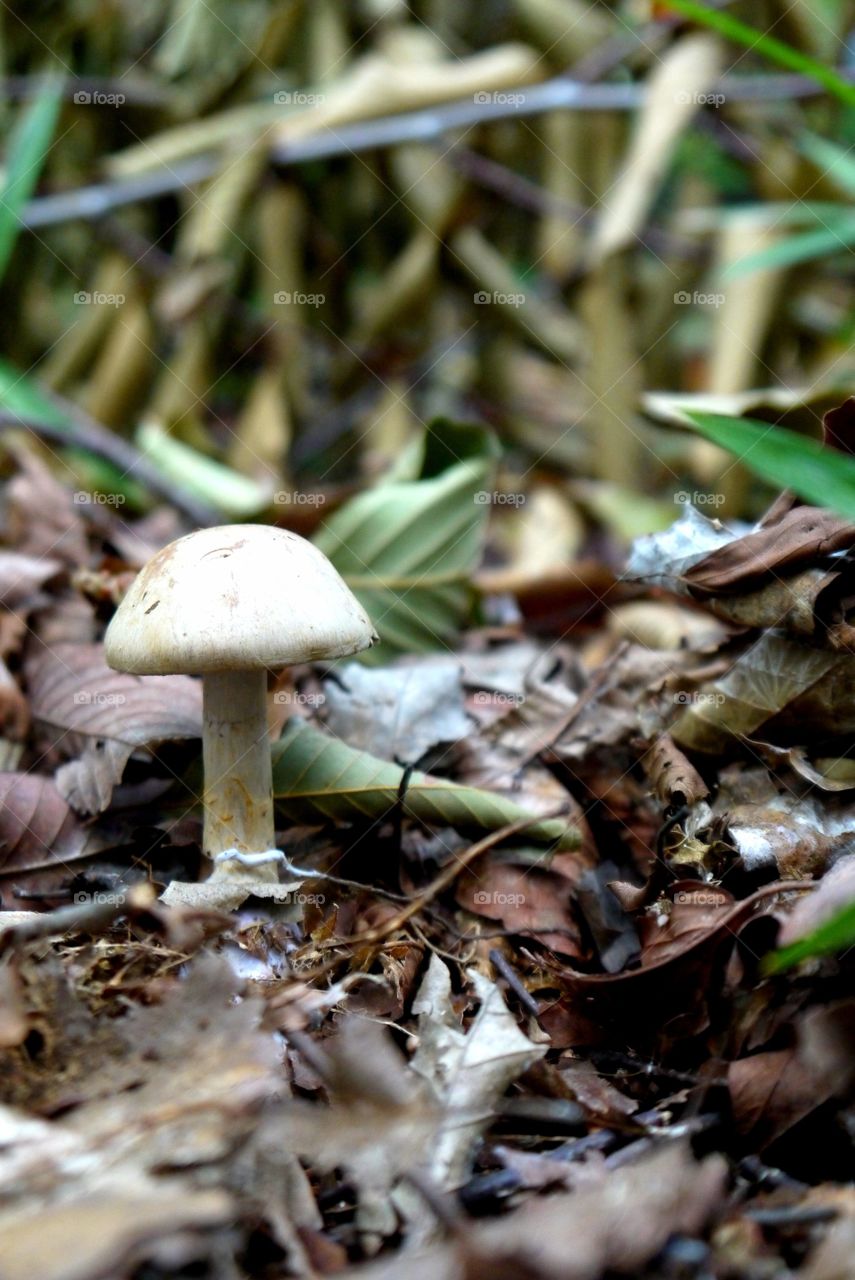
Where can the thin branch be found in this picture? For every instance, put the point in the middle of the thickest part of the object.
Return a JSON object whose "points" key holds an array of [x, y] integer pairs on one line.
{"points": [[558, 94], [83, 432]]}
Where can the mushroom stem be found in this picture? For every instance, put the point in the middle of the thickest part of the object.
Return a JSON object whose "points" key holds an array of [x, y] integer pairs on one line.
{"points": [[238, 798]]}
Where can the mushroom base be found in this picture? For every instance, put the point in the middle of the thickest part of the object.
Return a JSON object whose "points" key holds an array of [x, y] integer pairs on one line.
{"points": [[238, 796]]}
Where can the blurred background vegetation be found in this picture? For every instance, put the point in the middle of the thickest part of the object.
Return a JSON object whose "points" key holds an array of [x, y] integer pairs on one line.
{"points": [[265, 242]]}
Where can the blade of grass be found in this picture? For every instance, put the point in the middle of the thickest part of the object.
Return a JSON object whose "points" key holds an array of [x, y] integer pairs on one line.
{"points": [[775, 50], [823, 476], [806, 245], [835, 934], [29, 143]]}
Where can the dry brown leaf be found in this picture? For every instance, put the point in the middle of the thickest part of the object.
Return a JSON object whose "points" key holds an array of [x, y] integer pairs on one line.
{"points": [[42, 519], [674, 779], [73, 690], [770, 1092], [21, 576], [529, 900], [37, 826], [71, 687], [801, 535]]}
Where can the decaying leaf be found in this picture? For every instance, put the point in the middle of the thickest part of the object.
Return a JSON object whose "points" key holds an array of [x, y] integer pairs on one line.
{"points": [[775, 674], [675, 780], [801, 534], [770, 1092], [74, 691], [37, 826], [616, 1224], [664, 559], [396, 712], [468, 1070]]}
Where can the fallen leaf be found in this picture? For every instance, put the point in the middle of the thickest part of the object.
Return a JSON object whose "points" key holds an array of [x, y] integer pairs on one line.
{"points": [[771, 1092], [396, 712], [468, 1070], [73, 690], [317, 776], [37, 826]]}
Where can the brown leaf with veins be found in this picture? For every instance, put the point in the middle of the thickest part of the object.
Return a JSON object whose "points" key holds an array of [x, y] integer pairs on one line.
{"points": [[800, 536], [37, 826], [42, 519], [771, 1092], [528, 900], [681, 955], [73, 690], [71, 687]]}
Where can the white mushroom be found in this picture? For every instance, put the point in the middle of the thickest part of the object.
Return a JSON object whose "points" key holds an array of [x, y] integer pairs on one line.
{"points": [[229, 604]]}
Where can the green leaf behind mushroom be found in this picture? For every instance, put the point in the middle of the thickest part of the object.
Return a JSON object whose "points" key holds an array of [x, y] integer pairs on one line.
{"points": [[408, 547], [316, 776]]}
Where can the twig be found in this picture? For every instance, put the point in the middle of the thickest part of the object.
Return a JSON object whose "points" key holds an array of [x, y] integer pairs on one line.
{"points": [[525, 997], [89, 917], [525, 194], [83, 432], [446, 877], [558, 94]]}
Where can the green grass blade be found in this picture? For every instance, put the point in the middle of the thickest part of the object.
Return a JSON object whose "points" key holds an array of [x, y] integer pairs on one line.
{"points": [[836, 934], [822, 476], [29, 143], [817, 243], [775, 50], [834, 161]]}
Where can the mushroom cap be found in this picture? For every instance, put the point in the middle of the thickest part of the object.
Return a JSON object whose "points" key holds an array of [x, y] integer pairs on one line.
{"points": [[232, 598]]}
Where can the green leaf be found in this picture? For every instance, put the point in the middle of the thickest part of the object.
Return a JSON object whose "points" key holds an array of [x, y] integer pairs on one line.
{"points": [[408, 548], [834, 161], [23, 396], [29, 144], [835, 934], [823, 476], [775, 50], [820, 242], [236, 495], [316, 776]]}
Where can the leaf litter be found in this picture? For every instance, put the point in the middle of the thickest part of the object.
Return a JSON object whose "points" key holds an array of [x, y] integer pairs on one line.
{"points": [[555, 980], [525, 1070]]}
